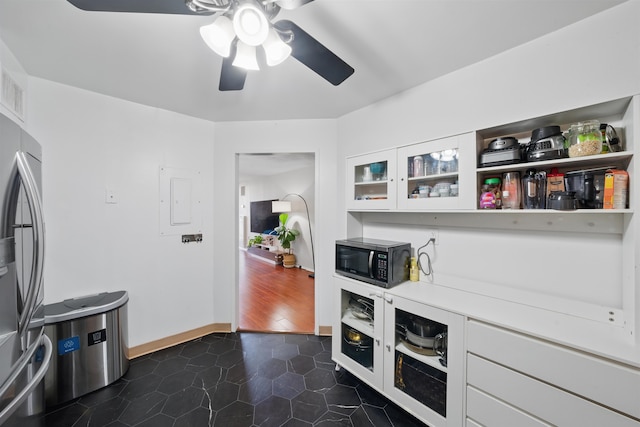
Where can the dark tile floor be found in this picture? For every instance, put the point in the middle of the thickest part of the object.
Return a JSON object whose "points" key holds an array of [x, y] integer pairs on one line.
{"points": [[229, 380]]}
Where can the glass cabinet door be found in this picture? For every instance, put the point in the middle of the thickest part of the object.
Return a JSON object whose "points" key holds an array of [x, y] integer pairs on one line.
{"points": [[433, 174], [424, 360], [357, 337], [371, 181]]}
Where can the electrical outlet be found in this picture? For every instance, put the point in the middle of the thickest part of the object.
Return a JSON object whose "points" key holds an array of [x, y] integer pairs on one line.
{"points": [[433, 234]]}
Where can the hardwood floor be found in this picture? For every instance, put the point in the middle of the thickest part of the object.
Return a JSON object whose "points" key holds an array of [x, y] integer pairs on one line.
{"points": [[274, 298]]}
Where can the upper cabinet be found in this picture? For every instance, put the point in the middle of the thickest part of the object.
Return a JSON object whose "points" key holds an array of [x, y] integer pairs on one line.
{"points": [[522, 157], [437, 174], [432, 175], [371, 181]]}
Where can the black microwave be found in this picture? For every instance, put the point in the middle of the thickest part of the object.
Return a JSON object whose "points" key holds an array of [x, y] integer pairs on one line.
{"points": [[379, 262]]}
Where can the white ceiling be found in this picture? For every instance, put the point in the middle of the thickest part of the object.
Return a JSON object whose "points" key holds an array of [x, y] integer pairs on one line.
{"points": [[161, 61]]}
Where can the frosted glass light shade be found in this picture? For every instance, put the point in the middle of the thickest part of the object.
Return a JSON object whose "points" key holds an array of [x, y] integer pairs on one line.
{"points": [[275, 49], [218, 35], [246, 57], [250, 24], [280, 206]]}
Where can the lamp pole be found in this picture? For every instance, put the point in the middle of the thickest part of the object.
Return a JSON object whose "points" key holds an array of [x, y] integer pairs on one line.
{"points": [[313, 256]]}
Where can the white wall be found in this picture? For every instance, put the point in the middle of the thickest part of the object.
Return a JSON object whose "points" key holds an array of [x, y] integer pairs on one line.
{"points": [[316, 136], [276, 186], [538, 78], [93, 142], [545, 76]]}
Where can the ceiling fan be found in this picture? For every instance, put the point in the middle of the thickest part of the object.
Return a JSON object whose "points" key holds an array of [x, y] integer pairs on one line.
{"points": [[239, 28]]}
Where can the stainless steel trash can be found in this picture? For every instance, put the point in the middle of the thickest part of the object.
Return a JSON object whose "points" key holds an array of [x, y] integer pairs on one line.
{"points": [[90, 344]]}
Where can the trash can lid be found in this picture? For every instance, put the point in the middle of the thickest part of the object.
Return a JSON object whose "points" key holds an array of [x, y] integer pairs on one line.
{"points": [[88, 305]]}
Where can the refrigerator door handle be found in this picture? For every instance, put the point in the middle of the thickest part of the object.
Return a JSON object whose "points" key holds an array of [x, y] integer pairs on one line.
{"points": [[39, 375], [37, 222]]}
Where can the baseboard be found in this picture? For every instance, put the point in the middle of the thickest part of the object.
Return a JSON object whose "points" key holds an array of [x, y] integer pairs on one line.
{"points": [[150, 347], [324, 331]]}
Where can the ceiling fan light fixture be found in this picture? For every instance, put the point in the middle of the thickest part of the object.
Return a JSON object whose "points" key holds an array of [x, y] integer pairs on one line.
{"points": [[276, 51], [246, 57], [218, 35], [250, 24]]}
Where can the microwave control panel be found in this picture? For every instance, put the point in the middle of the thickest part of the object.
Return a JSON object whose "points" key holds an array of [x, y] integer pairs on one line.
{"points": [[382, 266]]}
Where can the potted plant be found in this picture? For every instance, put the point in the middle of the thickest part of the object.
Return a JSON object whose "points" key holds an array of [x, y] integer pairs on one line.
{"points": [[286, 236], [255, 240]]}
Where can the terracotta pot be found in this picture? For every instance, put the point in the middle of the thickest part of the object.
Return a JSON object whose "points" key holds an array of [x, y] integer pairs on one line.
{"points": [[288, 260]]}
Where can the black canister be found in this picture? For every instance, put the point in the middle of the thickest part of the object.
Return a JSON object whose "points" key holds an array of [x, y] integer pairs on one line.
{"points": [[533, 190]]}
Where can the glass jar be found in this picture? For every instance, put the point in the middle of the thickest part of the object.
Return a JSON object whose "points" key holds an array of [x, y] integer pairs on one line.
{"points": [[585, 139]]}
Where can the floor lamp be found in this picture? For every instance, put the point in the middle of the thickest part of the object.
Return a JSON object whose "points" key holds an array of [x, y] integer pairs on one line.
{"points": [[281, 205]]}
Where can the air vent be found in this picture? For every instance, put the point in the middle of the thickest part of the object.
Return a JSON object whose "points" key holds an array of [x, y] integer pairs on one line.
{"points": [[12, 95]]}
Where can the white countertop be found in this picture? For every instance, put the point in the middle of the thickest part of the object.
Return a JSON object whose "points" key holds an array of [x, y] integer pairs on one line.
{"points": [[609, 339]]}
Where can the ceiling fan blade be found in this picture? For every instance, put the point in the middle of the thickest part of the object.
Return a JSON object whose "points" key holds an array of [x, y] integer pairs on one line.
{"points": [[292, 4], [314, 55], [177, 7], [231, 78]]}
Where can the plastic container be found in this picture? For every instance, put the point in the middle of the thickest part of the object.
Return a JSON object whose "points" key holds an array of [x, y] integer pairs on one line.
{"points": [[511, 190], [418, 166], [585, 139], [491, 195]]}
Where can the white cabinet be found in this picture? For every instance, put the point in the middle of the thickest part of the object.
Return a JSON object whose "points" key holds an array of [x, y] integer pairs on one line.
{"points": [[371, 181], [413, 377], [437, 174], [370, 341], [358, 332], [513, 379], [406, 177]]}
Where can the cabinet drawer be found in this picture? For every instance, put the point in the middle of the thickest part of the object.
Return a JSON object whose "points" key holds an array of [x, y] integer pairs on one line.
{"points": [[487, 411], [613, 385], [542, 400], [471, 423]]}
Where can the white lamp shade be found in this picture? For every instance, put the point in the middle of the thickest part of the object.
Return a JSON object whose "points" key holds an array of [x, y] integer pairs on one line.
{"points": [[246, 57], [250, 24], [275, 49], [280, 206], [218, 35]]}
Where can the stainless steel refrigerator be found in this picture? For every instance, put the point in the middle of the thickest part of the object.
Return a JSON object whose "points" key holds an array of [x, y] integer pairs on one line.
{"points": [[25, 351]]}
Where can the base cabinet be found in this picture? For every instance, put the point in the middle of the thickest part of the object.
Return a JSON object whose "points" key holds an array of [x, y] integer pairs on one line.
{"points": [[374, 343], [516, 380]]}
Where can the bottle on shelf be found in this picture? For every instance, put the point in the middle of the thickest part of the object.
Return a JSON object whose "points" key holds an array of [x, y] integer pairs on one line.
{"points": [[414, 272], [533, 189]]}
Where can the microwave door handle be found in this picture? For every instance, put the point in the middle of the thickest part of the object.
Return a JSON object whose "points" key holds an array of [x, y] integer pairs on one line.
{"points": [[35, 207], [371, 264]]}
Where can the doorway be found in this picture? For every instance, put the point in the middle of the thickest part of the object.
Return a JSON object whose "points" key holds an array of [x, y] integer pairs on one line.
{"points": [[272, 298]]}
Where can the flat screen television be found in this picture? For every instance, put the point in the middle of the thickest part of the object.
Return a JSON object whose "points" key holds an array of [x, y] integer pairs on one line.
{"points": [[262, 219]]}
